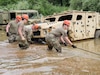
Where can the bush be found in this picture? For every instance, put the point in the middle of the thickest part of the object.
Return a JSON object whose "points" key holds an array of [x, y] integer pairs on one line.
{"points": [[46, 8], [88, 5]]}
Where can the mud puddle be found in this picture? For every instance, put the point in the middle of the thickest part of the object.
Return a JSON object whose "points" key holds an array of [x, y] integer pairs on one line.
{"points": [[36, 60]]}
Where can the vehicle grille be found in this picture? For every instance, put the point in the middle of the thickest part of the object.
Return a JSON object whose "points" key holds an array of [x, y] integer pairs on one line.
{"points": [[36, 33]]}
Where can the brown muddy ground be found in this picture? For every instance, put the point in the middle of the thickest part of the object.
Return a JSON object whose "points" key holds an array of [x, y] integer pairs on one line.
{"points": [[36, 60]]}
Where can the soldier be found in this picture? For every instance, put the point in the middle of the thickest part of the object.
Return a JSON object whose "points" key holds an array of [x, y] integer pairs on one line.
{"points": [[29, 32], [11, 29], [23, 44], [54, 35]]}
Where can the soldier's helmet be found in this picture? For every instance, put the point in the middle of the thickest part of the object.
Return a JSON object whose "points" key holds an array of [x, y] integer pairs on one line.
{"points": [[25, 16], [18, 17], [35, 27], [66, 22]]}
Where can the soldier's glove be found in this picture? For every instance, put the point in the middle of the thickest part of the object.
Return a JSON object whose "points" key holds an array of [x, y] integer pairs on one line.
{"points": [[65, 44], [74, 46], [7, 33]]}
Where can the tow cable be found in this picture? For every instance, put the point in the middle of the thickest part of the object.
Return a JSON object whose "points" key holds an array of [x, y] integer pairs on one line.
{"points": [[88, 51]]}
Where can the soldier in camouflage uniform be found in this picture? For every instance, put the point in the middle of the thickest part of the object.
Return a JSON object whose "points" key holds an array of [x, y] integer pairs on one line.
{"points": [[11, 29], [52, 39], [23, 44], [29, 32]]}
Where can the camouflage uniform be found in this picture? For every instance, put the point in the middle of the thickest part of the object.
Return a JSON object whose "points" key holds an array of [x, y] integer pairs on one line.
{"points": [[28, 33], [22, 44], [52, 39], [13, 33]]}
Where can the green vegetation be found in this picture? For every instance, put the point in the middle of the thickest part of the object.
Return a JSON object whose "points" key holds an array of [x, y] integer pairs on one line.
{"points": [[48, 7], [87, 5]]}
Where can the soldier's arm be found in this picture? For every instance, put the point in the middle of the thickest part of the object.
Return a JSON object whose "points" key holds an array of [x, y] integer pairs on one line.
{"points": [[20, 32], [7, 28], [62, 40], [64, 34], [68, 41]]}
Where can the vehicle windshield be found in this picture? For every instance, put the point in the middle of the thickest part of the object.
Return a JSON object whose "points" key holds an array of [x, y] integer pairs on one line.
{"points": [[32, 15]]}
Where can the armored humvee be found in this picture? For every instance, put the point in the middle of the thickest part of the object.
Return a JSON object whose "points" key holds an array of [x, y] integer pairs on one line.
{"points": [[84, 24], [6, 16]]}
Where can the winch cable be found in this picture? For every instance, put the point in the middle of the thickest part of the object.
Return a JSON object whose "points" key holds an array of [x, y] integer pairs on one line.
{"points": [[88, 51]]}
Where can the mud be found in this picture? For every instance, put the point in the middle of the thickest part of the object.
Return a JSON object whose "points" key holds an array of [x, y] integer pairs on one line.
{"points": [[36, 60]]}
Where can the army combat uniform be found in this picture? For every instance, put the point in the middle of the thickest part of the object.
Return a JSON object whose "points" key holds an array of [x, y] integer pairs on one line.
{"points": [[13, 33], [23, 44], [52, 39], [28, 33]]}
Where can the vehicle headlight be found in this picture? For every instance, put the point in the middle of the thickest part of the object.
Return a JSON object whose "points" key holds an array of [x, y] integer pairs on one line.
{"points": [[45, 32]]}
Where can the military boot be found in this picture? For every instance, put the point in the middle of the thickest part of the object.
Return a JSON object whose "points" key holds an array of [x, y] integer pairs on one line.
{"points": [[49, 48], [58, 50], [23, 46]]}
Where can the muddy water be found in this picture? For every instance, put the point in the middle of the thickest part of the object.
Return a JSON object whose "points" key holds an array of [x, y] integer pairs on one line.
{"points": [[36, 60]]}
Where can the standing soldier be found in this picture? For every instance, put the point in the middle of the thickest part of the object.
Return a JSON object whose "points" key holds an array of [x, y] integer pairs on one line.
{"points": [[21, 31], [11, 29], [54, 35]]}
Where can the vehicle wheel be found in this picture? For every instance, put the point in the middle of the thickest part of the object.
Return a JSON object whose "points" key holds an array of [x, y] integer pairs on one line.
{"points": [[97, 34]]}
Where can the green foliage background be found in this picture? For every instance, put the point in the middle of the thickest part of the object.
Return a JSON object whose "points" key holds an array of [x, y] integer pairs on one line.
{"points": [[48, 7]]}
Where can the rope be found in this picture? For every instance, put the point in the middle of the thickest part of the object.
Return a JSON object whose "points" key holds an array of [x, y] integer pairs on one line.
{"points": [[89, 51]]}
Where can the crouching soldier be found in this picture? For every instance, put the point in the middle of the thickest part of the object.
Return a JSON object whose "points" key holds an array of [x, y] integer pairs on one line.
{"points": [[11, 29], [29, 32], [52, 39]]}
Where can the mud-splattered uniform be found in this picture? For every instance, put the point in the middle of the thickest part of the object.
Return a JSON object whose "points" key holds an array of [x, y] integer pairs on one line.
{"points": [[13, 33], [52, 39], [28, 33], [22, 43]]}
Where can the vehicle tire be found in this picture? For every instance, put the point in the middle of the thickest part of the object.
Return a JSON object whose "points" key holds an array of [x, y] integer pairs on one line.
{"points": [[97, 34]]}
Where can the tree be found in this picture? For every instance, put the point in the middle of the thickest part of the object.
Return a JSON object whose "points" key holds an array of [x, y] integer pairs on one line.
{"points": [[87, 5], [7, 2], [60, 2], [91, 5], [45, 7], [76, 4]]}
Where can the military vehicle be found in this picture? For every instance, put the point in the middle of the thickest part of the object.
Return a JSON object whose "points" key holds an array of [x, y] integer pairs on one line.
{"points": [[84, 24], [6, 16]]}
